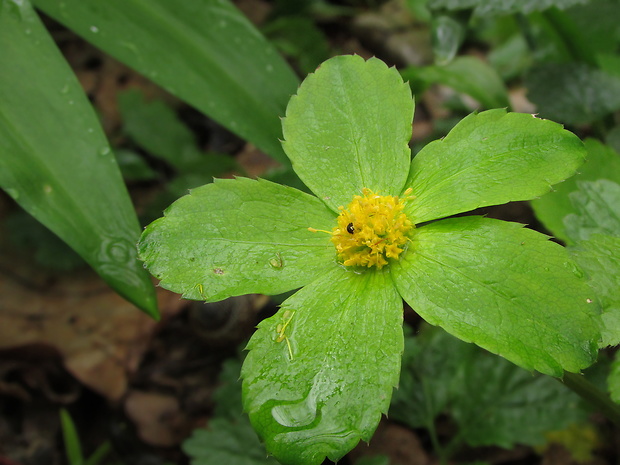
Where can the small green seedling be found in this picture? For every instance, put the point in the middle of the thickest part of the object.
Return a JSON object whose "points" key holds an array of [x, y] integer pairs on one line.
{"points": [[73, 447]]}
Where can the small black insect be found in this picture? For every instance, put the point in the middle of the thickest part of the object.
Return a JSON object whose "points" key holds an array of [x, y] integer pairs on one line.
{"points": [[350, 228]]}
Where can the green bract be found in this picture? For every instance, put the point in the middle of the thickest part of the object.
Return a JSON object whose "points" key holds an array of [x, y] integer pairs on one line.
{"points": [[320, 372]]}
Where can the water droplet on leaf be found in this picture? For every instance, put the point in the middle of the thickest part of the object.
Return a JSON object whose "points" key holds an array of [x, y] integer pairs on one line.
{"points": [[276, 261], [295, 415]]}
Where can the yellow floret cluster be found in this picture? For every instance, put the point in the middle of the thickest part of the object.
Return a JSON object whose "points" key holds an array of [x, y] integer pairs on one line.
{"points": [[371, 229]]}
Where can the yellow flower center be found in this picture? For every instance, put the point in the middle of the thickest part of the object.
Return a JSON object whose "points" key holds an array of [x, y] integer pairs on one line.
{"points": [[372, 229]]}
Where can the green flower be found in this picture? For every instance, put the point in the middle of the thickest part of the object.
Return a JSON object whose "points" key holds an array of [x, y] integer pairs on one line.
{"points": [[321, 371]]}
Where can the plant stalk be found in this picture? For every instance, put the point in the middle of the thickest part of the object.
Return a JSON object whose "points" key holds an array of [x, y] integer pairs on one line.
{"points": [[593, 395]]}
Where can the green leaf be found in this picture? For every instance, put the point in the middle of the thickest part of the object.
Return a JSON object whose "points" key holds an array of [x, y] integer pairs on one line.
{"points": [[227, 396], [502, 7], [321, 401], [240, 236], [490, 158], [613, 380], [99, 454], [230, 438], [572, 93], [206, 53], [430, 362], [598, 256], [227, 441], [155, 127], [598, 210], [73, 447], [133, 166], [55, 160], [511, 58], [348, 119], [500, 404], [503, 287], [299, 38], [468, 75], [598, 23], [492, 401], [419, 10], [31, 237], [602, 162]]}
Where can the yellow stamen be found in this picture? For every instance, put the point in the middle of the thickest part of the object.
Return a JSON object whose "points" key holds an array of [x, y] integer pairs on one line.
{"points": [[372, 229]]}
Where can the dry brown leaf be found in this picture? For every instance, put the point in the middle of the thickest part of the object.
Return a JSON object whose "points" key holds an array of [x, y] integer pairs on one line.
{"points": [[100, 336]]}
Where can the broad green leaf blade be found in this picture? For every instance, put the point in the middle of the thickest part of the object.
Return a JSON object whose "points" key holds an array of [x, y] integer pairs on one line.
{"points": [[348, 128], [502, 7], [227, 441], [468, 75], [430, 362], [598, 210], [55, 160], [503, 287], [490, 158], [602, 162], [204, 51], [239, 236], [573, 93], [344, 332], [613, 380], [227, 396], [496, 403], [599, 258], [492, 401], [155, 127]]}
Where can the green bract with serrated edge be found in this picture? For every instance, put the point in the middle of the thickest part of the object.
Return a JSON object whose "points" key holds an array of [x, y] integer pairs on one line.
{"points": [[321, 371]]}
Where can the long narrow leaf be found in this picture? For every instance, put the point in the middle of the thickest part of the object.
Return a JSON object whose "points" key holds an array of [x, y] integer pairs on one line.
{"points": [[73, 447], [55, 160], [205, 52]]}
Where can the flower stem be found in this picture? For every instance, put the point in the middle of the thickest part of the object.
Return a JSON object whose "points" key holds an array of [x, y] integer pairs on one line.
{"points": [[589, 392]]}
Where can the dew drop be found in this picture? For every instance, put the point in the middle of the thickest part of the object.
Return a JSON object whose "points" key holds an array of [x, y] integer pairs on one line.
{"points": [[94, 29], [47, 189], [573, 268], [276, 262], [65, 89], [104, 151], [14, 193], [28, 32], [295, 415], [269, 68]]}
